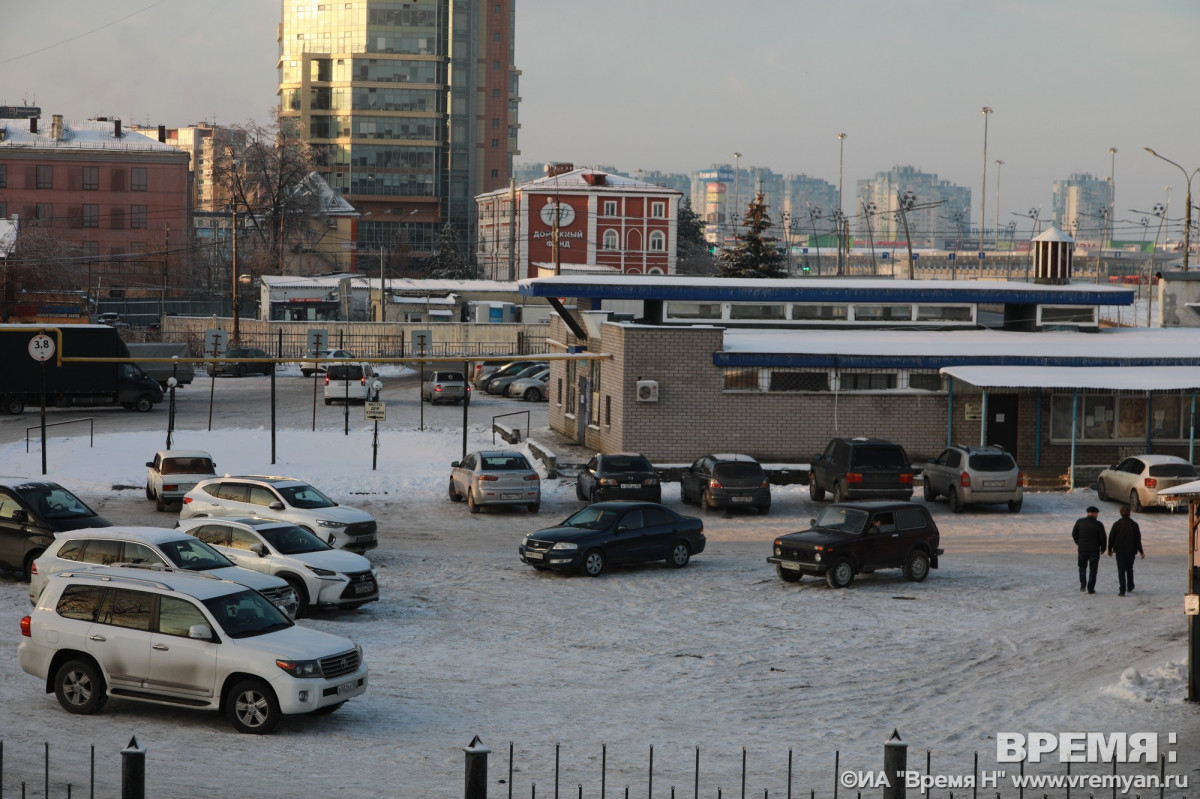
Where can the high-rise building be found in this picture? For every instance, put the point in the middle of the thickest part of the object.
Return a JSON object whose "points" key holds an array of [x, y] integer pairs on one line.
{"points": [[935, 210], [410, 107], [1081, 206]]}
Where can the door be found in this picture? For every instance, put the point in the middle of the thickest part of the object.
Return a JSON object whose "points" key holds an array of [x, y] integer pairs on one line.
{"points": [[181, 667], [1002, 421], [120, 638], [629, 538], [17, 536]]}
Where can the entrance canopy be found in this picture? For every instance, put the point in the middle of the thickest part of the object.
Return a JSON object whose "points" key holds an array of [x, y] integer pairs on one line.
{"points": [[1104, 378]]}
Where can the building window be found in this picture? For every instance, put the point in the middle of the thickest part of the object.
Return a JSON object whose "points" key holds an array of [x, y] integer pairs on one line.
{"points": [[754, 311], [610, 207], [658, 243], [883, 313], [868, 381], [137, 178], [612, 241], [741, 379], [925, 381], [137, 216], [3, 210], [45, 213], [495, 144], [944, 313], [799, 381], [693, 310], [819, 313], [608, 410], [3, 176], [1066, 315], [45, 176], [658, 210], [91, 216], [495, 173], [91, 251], [1120, 417], [91, 178]]}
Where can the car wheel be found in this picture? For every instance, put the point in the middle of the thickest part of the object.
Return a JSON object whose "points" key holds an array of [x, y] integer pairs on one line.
{"points": [[79, 687], [306, 372], [763, 510], [14, 405], [143, 404], [325, 711], [149, 492], [252, 708], [1101, 491], [916, 566], [301, 592], [787, 575], [927, 489], [956, 505], [532, 395], [579, 492], [454, 495], [815, 492], [240, 371], [160, 505], [680, 555], [1014, 505], [27, 567], [328, 401], [534, 507], [683, 494], [839, 493], [840, 574], [1135, 502], [471, 504], [592, 496], [593, 563]]}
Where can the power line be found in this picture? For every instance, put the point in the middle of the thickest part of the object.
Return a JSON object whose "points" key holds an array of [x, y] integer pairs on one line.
{"points": [[81, 35]]}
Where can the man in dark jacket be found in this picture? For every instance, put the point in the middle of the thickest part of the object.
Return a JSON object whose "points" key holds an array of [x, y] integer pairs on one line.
{"points": [[1125, 541], [1089, 538]]}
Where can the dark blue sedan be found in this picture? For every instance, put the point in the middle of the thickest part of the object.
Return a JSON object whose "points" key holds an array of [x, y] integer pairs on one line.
{"points": [[612, 533]]}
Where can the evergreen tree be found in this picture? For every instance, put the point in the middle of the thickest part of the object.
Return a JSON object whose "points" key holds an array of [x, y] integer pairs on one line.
{"points": [[757, 253], [447, 261], [692, 255]]}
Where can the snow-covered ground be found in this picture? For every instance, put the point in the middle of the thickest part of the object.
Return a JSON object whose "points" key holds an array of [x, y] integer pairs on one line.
{"points": [[721, 655]]}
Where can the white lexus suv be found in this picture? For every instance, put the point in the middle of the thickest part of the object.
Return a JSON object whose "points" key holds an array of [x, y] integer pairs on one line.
{"points": [[183, 639]]}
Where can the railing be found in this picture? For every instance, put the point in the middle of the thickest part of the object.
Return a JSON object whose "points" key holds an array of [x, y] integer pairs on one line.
{"points": [[514, 413], [91, 430]]}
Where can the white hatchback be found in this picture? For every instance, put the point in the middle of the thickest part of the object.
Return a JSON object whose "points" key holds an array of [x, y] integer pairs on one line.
{"points": [[349, 382]]}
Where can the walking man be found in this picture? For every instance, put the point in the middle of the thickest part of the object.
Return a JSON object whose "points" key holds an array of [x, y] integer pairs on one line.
{"points": [[1090, 540], [1125, 541]]}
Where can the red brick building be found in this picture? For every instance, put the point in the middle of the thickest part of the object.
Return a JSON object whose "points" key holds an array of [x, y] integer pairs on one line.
{"points": [[96, 206], [604, 221]]}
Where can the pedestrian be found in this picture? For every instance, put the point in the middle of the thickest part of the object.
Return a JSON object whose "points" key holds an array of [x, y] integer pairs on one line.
{"points": [[1125, 541], [1090, 541]]}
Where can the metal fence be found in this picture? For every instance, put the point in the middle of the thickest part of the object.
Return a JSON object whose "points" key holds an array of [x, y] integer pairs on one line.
{"points": [[292, 343]]}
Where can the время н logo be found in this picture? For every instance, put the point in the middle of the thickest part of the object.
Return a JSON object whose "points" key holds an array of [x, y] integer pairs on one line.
{"points": [[1082, 747]]}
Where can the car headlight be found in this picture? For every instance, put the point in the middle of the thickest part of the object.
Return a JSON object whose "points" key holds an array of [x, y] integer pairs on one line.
{"points": [[778, 551], [325, 523], [817, 557], [565, 545], [301, 668], [324, 574], [524, 540]]}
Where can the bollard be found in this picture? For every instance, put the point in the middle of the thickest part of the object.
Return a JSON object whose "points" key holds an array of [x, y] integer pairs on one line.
{"points": [[895, 763], [133, 770], [476, 775]]}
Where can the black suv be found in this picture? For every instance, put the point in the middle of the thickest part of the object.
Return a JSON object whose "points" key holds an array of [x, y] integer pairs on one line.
{"points": [[850, 538], [861, 468]]}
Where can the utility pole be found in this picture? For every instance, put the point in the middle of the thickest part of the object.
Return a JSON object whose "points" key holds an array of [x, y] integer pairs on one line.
{"points": [[987, 111], [512, 230], [382, 318], [162, 303], [233, 281]]}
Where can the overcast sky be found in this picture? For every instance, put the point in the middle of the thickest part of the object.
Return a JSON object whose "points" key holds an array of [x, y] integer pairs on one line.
{"points": [[678, 85]]}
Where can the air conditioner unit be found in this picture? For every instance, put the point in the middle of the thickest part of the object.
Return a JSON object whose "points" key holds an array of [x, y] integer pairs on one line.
{"points": [[647, 390]]}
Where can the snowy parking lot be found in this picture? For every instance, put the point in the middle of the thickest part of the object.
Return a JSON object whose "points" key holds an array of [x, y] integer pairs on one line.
{"points": [[720, 655]]}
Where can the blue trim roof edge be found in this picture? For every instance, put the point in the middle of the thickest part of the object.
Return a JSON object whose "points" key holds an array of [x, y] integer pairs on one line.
{"points": [[761, 359]]}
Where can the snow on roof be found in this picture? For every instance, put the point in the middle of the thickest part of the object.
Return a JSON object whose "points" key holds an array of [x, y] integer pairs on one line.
{"points": [[1053, 234], [87, 134], [426, 300], [330, 201], [363, 281], [577, 181], [1111, 378]]}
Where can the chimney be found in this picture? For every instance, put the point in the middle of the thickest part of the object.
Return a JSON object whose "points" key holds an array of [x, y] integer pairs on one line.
{"points": [[558, 168], [162, 133], [56, 127], [117, 128], [33, 124]]}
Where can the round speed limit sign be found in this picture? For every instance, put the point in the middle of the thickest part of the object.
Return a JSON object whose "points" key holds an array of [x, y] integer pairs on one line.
{"points": [[41, 347]]}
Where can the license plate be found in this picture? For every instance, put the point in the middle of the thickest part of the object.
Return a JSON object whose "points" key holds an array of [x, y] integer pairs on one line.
{"points": [[364, 588], [346, 688], [742, 499], [787, 564], [993, 484], [630, 485], [533, 555], [510, 496]]}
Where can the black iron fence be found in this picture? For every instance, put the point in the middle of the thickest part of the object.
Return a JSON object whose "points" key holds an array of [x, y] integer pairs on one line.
{"points": [[290, 343]]}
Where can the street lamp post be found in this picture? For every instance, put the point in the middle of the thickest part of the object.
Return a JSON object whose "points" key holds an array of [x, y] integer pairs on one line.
{"points": [[841, 151], [999, 164], [986, 111], [1187, 204], [233, 281], [1112, 192], [737, 192]]}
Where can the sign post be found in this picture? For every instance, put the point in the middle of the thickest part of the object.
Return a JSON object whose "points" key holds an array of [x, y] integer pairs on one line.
{"points": [[214, 343], [318, 338], [41, 349], [375, 410]]}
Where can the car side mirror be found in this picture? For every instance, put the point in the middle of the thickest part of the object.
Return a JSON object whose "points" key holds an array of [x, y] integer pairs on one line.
{"points": [[932, 460], [259, 549], [276, 505], [150, 464], [816, 458], [812, 522], [19, 515], [454, 464], [200, 632]]}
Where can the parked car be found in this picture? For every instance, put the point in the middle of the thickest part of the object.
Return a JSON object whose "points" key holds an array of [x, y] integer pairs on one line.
{"points": [[349, 382], [31, 512], [310, 367], [850, 538], [861, 468], [495, 477], [510, 367], [442, 385], [321, 576], [532, 388], [174, 472], [1137, 480], [154, 548], [498, 384], [285, 499], [620, 475], [614, 533], [726, 481], [974, 475], [482, 369], [197, 643], [243, 369]]}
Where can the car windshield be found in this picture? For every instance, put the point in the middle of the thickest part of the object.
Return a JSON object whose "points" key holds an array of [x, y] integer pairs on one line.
{"points": [[292, 540], [186, 466], [194, 555], [448, 377], [624, 463], [992, 463], [501, 463], [735, 469], [246, 614], [846, 520], [591, 517], [880, 457], [51, 501], [304, 496], [1172, 470]]}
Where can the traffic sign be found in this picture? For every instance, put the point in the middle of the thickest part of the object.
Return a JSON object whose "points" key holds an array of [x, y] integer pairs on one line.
{"points": [[422, 342], [214, 341], [41, 347], [375, 410]]}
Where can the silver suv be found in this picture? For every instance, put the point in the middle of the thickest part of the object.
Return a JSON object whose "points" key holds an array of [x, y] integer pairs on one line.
{"points": [[186, 640], [285, 499], [974, 475]]}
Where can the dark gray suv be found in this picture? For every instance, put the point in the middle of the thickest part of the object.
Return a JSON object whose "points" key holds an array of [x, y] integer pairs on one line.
{"points": [[861, 468]]}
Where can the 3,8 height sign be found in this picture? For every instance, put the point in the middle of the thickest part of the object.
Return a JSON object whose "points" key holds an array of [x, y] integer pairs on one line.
{"points": [[41, 347]]}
